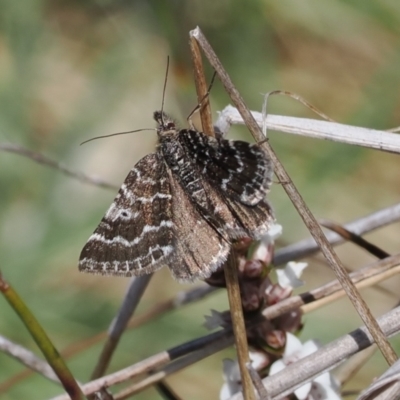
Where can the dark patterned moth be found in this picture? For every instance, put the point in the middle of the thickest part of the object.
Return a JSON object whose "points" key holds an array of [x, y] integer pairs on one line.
{"points": [[182, 206]]}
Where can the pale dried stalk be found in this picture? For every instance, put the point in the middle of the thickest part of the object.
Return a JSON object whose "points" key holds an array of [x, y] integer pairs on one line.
{"points": [[365, 282], [374, 269], [326, 130], [27, 358], [309, 220]]}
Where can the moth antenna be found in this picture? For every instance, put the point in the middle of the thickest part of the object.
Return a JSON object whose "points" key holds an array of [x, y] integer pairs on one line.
{"points": [[164, 89], [116, 134], [199, 105]]}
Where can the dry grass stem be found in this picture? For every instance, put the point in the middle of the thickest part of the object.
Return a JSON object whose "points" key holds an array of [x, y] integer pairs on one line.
{"points": [[201, 88], [238, 325], [362, 283], [374, 269], [257, 382], [294, 96], [44, 160], [360, 226], [346, 371], [27, 358], [356, 239], [230, 267]]}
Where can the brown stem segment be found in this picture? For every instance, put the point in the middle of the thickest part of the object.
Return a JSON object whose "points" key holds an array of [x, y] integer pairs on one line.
{"points": [[238, 325], [230, 268], [201, 88]]}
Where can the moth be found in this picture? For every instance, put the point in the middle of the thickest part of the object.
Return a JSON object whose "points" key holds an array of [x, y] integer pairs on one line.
{"points": [[182, 206]]}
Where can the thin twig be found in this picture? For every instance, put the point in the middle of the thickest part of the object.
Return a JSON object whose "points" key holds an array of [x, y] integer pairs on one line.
{"points": [[360, 226], [27, 358], [238, 325], [377, 268], [166, 391], [201, 88], [346, 371], [363, 283], [44, 160], [305, 213], [257, 382], [357, 239], [296, 97]]}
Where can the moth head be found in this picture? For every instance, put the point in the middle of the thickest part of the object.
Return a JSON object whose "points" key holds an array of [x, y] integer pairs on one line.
{"points": [[165, 122]]}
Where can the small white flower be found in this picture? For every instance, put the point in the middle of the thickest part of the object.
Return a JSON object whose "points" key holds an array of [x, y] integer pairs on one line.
{"points": [[213, 321], [232, 379], [258, 360], [288, 277], [273, 233], [263, 249], [324, 387]]}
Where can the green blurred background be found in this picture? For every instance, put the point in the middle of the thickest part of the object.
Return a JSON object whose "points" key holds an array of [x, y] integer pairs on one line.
{"points": [[72, 70]]}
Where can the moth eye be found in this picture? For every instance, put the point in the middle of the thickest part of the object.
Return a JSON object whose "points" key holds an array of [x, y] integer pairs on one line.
{"points": [[170, 125]]}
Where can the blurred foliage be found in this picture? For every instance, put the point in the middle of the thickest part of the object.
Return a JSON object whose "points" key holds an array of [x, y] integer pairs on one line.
{"points": [[71, 70]]}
